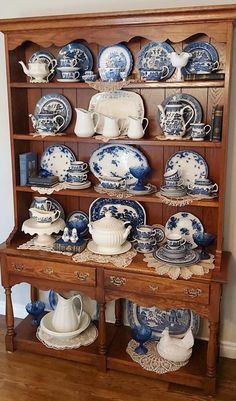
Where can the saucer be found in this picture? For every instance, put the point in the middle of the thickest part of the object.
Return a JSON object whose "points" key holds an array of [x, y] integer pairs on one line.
{"points": [[136, 248], [47, 326], [67, 80], [177, 253], [148, 189], [68, 69], [93, 247], [191, 257], [84, 185]]}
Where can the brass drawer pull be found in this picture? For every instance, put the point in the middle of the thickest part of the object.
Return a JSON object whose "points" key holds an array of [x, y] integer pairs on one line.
{"points": [[118, 281], [193, 292], [82, 276], [153, 288], [17, 267], [48, 270]]}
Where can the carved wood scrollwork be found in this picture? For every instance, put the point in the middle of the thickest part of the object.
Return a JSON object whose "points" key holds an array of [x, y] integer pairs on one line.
{"points": [[118, 281], [48, 270], [193, 292], [17, 267]]}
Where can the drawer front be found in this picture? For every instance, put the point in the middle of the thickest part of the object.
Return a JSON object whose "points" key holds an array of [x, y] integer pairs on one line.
{"points": [[152, 286], [52, 270]]}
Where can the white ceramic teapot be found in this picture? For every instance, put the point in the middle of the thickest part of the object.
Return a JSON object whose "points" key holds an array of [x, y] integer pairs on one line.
{"points": [[109, 233], [39, 71], [135, 127], [85, 125], [66, 317]]}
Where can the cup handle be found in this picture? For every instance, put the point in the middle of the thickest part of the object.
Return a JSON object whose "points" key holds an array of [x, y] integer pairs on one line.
{"points": [[57, 215], [214, 188], [167, 71], [216, 65], [74, 62], [85, 166], [77, 74], [146, 121], [181, 181], [207, 129], [52, 64], [183, 241], [60, 118]]}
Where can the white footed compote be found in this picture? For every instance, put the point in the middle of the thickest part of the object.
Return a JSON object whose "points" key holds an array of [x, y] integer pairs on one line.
{"points": [[179, 61], [44, 231]]}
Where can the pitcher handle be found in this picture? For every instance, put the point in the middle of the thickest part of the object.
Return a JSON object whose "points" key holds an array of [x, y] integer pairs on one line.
{"points": [[78, 296], [57, 214], [97, 115], [192, 112], [147, 122], [207, 129], [61, 118]]}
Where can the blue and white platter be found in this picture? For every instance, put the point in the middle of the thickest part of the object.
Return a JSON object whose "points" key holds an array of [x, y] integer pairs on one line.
{"points": [[116, 56], [184, 224], [55, 104], [186, 100], [79, 52], [190, 165], [177, 320], [78, 220], [55, 205], [154, 56], [191, 257], [123, 209], [115, 161], [56, 160], [202, 53], [45, 57]]}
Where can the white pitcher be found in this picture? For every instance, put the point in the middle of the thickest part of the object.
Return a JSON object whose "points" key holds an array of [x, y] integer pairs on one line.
{"points": [[66, 317], [135, 127], [85, 126], [111, 127]]}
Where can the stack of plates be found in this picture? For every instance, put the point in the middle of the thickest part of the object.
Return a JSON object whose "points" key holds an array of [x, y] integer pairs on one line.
{"points": [[181, 256], [76, 185], [173, 192]]}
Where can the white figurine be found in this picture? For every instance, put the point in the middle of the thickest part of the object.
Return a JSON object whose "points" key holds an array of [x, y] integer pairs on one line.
{"points": [[74, 237], [175, 349], [65, 235]]}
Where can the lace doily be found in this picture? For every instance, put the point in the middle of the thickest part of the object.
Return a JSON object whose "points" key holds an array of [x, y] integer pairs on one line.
{"points": [[113, 193], [49, 191], [43, 135], [164, 138], [174, 272], [102, 86], [107, 139], [83, 339], [121, 261], [182, 200], [152, 361], [31, 246]]}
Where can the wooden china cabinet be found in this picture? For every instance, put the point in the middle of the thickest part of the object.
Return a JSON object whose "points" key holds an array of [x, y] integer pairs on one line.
{"points": [[43, 270]]}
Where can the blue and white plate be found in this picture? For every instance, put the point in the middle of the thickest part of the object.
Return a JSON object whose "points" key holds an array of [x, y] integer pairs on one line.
{"points": [[186, 100], [191, 257], [78, 220], [54, 207], [202, 53], [190, 165], [123, 209], [80, 53], [44, 57], [184, 224], [115, 161], [116, 56], [55, 104], [154, 56], [56, 160], [177, 320]]}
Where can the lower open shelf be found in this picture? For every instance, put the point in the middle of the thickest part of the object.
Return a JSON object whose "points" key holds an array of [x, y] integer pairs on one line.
{"points": [[193, 374]]}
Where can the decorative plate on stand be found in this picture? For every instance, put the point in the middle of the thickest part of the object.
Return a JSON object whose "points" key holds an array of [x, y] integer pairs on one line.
{"points": [[56, 160], [116, 56]]}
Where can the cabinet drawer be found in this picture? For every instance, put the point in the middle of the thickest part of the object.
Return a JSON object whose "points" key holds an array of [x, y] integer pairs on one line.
{"points": [[52, 270], [153, 286]]}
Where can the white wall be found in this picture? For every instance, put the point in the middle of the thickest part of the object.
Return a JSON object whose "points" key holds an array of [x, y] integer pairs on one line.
{"points": [[24, 8]]}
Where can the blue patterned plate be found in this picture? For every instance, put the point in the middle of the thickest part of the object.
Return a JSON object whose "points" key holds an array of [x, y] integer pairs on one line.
{"points": [[78, 220], [154, 56], [45, 57], [117, 56], [123, 209], [177, 320], [56, 160], [55, 104], [115, 161], [186, 100], [184, 224], [203, 53], [80, 53], [190, 165]]}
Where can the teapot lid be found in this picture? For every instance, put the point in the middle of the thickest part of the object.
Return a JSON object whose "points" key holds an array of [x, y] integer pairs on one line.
{"points": [[108, 222]]}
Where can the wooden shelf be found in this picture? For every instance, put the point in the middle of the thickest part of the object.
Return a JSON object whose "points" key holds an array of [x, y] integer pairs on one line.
{"points": [[90, 193], [145, 142], [132, 85]]}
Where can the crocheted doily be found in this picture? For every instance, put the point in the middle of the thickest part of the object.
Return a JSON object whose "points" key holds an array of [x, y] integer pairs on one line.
{"points": [[121, 261], [31, 245], [182, 200], [102, 86], [85, 338], [107, 139], [152, 361], [49, 191], [174, 272]]}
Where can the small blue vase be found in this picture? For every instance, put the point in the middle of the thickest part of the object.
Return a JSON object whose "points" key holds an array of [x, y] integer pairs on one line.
{"points": [[204, 240], [141, 334]]}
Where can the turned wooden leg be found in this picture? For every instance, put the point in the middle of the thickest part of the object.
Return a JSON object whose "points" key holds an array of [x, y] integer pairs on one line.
{"points": [[9, 321], [102, 330], [33, 293], [212, 349], [118, 312]]}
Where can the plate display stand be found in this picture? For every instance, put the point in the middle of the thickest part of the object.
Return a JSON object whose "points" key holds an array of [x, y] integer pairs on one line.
{"points": [[104, 282]]}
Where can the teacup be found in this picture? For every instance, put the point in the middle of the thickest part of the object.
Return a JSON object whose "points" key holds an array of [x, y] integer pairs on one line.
{"points": [[42, 203], [145, 246], [70, 75], [45, 216], [79, 166], [154, 75], [113, 182], [175, 241], [199, 131], [172, 175], [173, 183], [205, 67], [67, 62], [145, 232], [47, 122], [76, 177], [110, 74]]}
